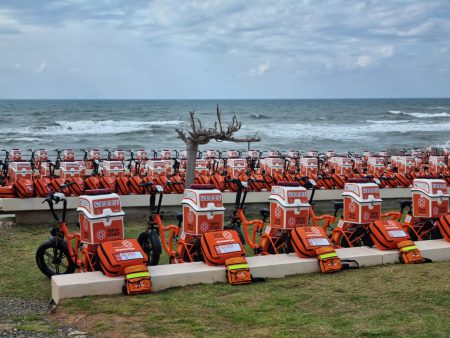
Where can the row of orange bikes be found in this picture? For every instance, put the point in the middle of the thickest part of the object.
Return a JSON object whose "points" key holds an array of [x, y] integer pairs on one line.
{"points": [[205, 233], [36, 175]]}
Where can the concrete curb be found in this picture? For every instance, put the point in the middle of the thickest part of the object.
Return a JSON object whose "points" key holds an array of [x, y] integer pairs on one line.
{"points": [[128, 201], [31, 210], [272, 266]]}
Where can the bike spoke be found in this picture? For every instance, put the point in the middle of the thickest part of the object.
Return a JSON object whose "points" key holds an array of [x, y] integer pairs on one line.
{"points": [[48, 255]]}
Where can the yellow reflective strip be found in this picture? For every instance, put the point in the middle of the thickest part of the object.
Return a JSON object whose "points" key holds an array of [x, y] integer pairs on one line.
{"points": [[328, 255], [138, 274], [408, 248], [238, 266]]}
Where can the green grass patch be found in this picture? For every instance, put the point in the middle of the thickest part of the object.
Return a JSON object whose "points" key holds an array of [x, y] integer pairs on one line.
{"points": [[384, 301], [351, 303]]}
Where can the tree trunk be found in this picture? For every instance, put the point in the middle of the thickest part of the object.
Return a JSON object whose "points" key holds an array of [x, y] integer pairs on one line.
{"points": [[192, 150]]}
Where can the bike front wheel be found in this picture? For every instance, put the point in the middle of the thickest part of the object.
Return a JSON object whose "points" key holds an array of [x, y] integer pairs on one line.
{"points": [[53, 258]]}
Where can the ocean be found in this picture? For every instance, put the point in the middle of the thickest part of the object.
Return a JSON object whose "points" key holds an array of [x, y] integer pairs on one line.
{"points": [[341, 125]]}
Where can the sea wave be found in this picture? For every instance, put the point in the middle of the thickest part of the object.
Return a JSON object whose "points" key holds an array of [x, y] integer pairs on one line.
{"points": [[426, 115], [360, 132], [259, 116], [21, 139], [387, 121], [88, 127], [443, 145], [419, 115]]}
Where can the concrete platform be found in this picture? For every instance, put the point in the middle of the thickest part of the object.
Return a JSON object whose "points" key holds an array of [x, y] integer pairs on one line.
{"points": [[273, 266], [32, 211], [30, 204]]}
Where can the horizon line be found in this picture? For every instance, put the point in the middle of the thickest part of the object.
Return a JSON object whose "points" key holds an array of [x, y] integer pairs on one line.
{"points": [[222, 99]]}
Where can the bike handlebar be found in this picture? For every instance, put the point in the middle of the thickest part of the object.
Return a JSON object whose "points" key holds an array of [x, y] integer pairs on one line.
{"points": [[55, 198]]}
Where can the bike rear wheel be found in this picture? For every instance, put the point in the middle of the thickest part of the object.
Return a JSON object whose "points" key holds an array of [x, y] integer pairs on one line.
{"points": [[151, 244], [53, 258]]}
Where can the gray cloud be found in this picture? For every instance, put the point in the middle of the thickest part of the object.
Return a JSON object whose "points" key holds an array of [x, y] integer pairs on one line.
{"points": [[109, 38]]}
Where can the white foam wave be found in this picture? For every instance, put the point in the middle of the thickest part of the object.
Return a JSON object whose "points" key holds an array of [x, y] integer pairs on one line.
{"points": [[426, 115], [88, 127], [359, 132], [23, 139], [419, 115], [387, 121]]}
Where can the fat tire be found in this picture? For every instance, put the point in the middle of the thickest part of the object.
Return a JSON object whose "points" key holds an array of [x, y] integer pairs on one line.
{"points": [[61, 249], [151, 244]]}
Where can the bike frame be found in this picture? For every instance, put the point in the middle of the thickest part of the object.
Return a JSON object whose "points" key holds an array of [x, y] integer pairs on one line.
{"points": [[419, 226], [155, 222], [73, 240], [353, 233], [277, 238]]}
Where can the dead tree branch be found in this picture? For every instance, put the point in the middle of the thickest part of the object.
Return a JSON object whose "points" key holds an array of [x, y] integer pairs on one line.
{"points": [[198, 135]]}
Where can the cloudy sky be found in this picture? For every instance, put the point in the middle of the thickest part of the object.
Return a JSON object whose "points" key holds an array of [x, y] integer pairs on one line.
{"points": [[224, 49]]}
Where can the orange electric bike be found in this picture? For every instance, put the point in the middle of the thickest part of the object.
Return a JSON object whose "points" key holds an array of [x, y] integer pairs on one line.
{"points": [[63, 253]]}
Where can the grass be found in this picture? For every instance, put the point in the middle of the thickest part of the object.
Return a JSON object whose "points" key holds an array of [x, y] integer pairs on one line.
{"points": [[385, 301]]}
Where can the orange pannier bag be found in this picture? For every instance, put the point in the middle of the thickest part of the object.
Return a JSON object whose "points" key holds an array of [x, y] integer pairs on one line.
{"points": [[238, 271], [8, 192], [42, 186], [218, 246], [307, 239], [24, 188], [409, 254], [444, 226], [115, 256], [386, 234], [137, 280], [328, 259], [122, 187], [389, 235]]}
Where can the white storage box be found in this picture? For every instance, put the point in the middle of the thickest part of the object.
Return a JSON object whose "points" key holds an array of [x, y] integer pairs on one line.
{"points": [[308, 166], [72, 169], [203, 210], [201, 167], [101, 218], [273, 165], [15, 155], [157, 168], [375, 166], [362, 202], [236, 167], [436, 164], [20, 170], [430, 198], [342, 165], [41, 155], [289, 207], [405, 164], [68, 155], [112, 168]]}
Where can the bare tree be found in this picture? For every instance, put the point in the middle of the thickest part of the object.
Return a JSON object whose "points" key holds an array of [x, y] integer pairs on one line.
{"points": [[199, 135]]}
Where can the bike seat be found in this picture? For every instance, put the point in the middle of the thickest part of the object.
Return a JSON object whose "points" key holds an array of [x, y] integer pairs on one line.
{"points": [[338, 205], [405, 203], [264, 212]]}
